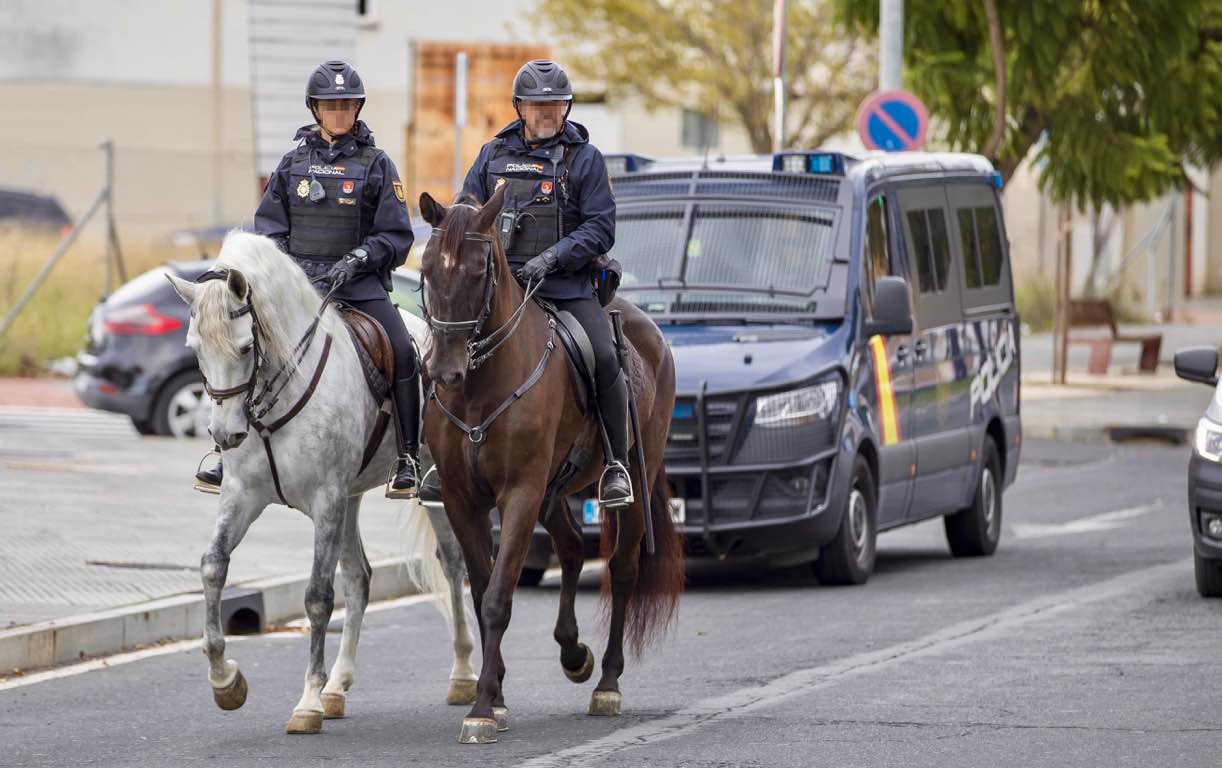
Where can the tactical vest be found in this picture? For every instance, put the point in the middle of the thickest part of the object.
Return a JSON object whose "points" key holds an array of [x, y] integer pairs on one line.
{"points": [[532, 218], [326, 229]]}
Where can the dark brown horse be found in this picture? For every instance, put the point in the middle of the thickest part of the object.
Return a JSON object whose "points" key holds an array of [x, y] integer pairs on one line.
{"points": [[513, 421]]}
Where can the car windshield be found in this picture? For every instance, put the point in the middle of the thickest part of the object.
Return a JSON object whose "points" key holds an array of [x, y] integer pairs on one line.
{"points": [[729, 258]]}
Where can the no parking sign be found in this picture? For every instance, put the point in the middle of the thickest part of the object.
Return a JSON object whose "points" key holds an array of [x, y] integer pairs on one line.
{"points": [[893, 121]]}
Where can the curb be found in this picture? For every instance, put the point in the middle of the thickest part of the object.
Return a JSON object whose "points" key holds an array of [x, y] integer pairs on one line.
{"points": [[1111, 433], [250, 606]]}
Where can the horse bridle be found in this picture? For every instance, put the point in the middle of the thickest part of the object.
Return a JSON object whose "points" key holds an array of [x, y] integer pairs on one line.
{"points": [[480, 349]]}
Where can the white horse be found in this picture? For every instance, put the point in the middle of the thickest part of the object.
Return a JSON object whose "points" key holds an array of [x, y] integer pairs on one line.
{"points": [[247, 316]]}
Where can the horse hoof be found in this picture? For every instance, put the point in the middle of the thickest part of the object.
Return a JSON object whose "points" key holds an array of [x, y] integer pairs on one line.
{"points": [[587, 669], [605, 703], [232, 696], [501, 716], [304, 721], [477, 730], [461, 692], [333, 706]]}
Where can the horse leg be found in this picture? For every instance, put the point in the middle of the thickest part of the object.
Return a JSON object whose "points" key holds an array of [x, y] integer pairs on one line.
{"points": [[576, 658], [233, 519], [462, 674], [327, 511], [356, 572], [623, 567]]}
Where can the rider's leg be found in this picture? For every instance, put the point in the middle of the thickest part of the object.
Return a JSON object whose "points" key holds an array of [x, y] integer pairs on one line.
{"points": [[616, 488], [405, 391]]}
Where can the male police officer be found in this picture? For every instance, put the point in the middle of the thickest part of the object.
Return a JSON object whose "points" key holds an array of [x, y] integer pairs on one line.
{"points": [[559, 215], [336, 205]]}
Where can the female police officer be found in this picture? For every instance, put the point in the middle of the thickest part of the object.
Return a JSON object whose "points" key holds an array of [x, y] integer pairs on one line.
{"points": [[336, 205], [563, 216]]}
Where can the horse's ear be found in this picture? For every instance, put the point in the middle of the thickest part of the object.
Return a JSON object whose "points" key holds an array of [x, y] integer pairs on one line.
{"points": [[487, 215], [237, 284], [184, 288], [432, 211]]}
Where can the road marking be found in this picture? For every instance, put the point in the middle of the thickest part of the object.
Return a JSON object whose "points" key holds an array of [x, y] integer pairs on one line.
{"points": [[746, 701], [1105, 521]]}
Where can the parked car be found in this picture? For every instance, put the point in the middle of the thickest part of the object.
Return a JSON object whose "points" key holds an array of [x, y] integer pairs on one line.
{"points": [[27, 208], [846, 350], [1200, 364], [135, 360]]}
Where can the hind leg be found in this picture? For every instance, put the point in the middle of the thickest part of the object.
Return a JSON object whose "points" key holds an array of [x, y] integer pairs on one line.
{"points": [[576, 658], [623, 569], [356, 573], [462, 674]]}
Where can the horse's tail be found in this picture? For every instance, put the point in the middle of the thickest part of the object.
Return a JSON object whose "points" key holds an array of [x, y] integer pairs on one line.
{"points": [[418, 542], [653, 602]]}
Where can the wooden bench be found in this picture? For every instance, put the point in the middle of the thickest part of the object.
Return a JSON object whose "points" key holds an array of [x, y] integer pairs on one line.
{"points": [[1091, 313]]}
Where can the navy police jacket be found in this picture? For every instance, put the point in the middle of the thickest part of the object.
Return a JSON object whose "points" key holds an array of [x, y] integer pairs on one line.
{"points": [[363, 207], [561, 186]]}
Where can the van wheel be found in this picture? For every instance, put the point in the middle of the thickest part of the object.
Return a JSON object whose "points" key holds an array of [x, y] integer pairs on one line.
{"points": [[182, 407], [849, 557], [1209, 576], [975, 531]]}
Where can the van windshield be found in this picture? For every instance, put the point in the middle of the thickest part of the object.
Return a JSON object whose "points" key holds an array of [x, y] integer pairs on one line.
{"points": [[727, 258]]}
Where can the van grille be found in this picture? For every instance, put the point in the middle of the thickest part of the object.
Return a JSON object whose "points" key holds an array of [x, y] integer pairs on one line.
{"points": [[789, 186]]}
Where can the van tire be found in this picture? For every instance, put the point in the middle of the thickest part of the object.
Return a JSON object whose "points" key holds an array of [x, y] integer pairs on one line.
{"points": [[976, 530], [1209, 576], [849, 557]]}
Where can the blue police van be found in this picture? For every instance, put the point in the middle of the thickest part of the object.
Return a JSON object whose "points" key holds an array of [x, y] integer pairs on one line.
{"points": [[846, 346]]}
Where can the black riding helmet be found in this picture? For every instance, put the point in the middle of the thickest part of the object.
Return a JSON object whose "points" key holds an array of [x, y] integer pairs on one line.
{"points": [[542, 80], [334, 80]]}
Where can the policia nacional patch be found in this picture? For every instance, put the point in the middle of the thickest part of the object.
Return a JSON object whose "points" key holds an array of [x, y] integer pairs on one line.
{"points": [[399, 192]]}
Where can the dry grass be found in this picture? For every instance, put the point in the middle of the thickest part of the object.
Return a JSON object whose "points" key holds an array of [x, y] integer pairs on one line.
{"points": [[53, 325]]}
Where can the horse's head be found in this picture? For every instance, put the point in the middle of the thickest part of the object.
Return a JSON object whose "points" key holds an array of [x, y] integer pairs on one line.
{"points": [[459, 266], [222, 335]]}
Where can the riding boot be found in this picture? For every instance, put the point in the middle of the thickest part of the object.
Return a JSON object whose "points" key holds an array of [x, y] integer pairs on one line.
{"points": [[209, 480], [406, 396], [615, 487]]}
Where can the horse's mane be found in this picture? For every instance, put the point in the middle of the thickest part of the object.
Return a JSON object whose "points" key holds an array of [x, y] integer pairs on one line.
{"points": [[458, 221], [282, 295]]}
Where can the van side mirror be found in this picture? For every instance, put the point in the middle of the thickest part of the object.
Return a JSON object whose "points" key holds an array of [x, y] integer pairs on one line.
{"points": [[1197, 364], [892, 309]]}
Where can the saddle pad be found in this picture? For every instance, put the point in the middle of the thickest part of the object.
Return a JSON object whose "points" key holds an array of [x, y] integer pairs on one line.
{"points": [[372, 348]]}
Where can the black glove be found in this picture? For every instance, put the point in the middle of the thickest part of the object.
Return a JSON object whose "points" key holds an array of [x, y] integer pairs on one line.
{"points": [[347, 268], [539, 267]]}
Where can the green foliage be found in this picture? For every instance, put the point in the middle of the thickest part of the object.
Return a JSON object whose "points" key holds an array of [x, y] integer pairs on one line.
{"points": [[1036, 297], [715, 57], [1116, 95]]}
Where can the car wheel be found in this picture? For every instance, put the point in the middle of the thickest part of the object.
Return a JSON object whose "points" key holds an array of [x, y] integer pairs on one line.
{"points": [[143, 426], [1209, 576], [182, 408], [849, 557], [531, 577], [975, 531]]}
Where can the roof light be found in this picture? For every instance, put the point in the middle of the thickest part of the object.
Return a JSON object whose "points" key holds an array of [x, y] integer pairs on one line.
{"points": [[824, 163], [997, 182]]}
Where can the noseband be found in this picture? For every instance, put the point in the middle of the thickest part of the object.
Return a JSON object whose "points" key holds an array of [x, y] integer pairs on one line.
{"points": [[479, 349]]}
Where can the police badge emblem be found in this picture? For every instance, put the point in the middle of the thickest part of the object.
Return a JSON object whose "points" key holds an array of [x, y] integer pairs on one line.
{"points": [[499, 183], [399, 192], [348, 186], [303, 188], [546, 187], [339, 79]]}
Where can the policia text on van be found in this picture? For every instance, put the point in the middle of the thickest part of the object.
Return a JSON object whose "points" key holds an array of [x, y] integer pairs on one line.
{"points": [[845, 342]]}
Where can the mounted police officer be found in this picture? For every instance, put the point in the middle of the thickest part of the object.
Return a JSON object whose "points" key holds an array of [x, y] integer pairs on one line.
{"points": [[559, 215], [336, 205]]}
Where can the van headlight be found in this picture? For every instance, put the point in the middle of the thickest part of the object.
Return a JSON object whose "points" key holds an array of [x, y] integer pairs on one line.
{"points": [[1209, 439], [799, 406]]}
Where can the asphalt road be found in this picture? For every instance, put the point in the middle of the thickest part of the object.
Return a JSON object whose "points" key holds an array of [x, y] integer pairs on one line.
{"points": [[1082, 642]]}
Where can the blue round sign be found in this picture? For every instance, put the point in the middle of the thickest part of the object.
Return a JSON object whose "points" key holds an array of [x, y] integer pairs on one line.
{"points": [[893, 121]]}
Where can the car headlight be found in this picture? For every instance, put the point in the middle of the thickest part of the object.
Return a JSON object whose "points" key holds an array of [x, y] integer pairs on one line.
{"points": [[1209, 440], [799, 406]]}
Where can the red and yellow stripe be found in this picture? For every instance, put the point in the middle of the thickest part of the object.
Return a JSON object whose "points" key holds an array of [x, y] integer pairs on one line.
{"points": [[886, 396]]}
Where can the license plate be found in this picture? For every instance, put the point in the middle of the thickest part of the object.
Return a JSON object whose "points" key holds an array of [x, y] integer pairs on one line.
{"points": [[591, 512]]}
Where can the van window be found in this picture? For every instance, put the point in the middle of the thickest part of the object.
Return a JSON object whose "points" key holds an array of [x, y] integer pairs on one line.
{"points": [[877, 261], [930, 248], [931, 264], [981, 242]]}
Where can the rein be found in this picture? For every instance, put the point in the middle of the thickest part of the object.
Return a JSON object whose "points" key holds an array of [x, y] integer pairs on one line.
{"points": [[259, 402]]}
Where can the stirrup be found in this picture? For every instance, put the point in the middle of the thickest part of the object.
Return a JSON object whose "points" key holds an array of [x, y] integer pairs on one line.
{"points": [[618, 503], [402, 493], [200, 485]]}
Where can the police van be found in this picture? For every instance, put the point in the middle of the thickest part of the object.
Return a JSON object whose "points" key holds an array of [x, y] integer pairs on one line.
{"points": [[846, 347]]}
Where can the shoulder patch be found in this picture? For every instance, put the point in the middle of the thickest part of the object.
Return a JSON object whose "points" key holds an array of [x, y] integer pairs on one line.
{"points": [[399, 192]]}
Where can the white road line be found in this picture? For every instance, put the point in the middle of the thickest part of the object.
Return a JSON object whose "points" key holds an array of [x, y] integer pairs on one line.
{"points": [[804, 681], [1105, 521]]}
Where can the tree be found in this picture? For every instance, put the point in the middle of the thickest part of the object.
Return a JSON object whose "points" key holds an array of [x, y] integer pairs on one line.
{"points": [[715, 57], [1117, 96]]}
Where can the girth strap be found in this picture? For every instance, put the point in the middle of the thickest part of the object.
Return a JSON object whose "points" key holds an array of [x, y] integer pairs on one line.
{"points": [[479, 433]]}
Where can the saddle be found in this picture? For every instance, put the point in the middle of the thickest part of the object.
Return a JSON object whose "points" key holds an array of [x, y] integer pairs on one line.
{"points": [[579, 354], [372, 348]]}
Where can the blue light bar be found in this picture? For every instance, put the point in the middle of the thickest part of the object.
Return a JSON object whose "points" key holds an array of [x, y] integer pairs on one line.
{"points": [[997, 179], [823, 163], [618, 165]]}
